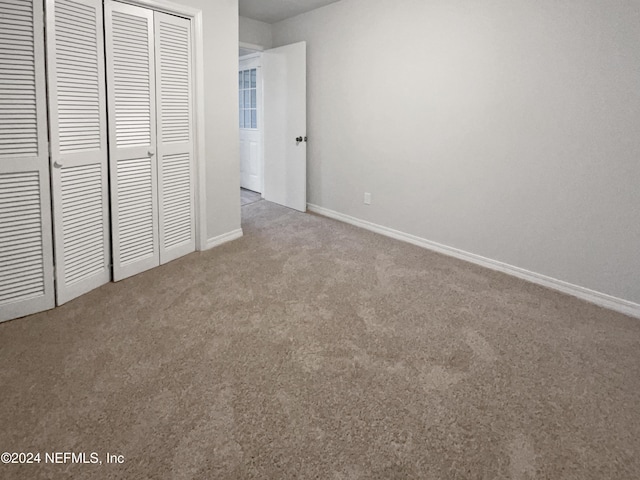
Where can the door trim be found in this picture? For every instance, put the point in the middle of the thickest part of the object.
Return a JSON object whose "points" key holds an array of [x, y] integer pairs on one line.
{"points": [[251, 46], [195, 16]]}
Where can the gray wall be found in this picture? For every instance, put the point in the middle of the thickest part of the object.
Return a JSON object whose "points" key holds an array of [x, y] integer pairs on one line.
{"points": [[255, 32], [505, 128], [220, 24]]}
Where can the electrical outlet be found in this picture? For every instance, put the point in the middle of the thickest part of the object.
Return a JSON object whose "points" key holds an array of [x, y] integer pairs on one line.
{"points": [[367, 198]]}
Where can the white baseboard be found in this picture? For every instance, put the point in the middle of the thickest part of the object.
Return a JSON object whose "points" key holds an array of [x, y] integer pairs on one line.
{"points": [[224, 238], [592, 296]]}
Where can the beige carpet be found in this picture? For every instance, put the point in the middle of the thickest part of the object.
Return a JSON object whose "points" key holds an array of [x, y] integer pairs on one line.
{"points": [[248, 197], [310, 349]]}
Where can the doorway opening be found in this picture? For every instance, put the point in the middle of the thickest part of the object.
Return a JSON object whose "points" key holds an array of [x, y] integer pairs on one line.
{"points": [[272, 116]]}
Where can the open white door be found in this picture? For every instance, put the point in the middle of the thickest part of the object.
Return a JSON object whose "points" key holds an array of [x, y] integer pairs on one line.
{"points": [[78, 126], [285, 125]]}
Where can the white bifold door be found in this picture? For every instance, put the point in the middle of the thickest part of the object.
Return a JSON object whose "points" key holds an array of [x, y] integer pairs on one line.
{"points": [[121, 190], [149, 90], [176, 186], [79, 151], [26, 256]]}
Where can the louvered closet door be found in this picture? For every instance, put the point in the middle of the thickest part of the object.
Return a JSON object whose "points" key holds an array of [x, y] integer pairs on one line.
{"points": [[132, 138], [26, 255], [175, 136], [78, 126]]}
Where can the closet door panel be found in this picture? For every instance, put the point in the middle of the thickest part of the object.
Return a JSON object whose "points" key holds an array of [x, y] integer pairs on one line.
{"points": [[132, 133], [26, 251], [175, 136], [79, 174]]}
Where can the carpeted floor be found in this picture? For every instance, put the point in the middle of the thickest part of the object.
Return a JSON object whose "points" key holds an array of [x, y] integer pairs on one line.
{"points": [[310, 349], [248, 197]]}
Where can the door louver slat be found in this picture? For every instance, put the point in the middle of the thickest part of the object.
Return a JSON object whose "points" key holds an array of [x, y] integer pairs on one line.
{"points": [[175, 80], [177, 199], [75, 213], [136, 209], [16, 25], [77, 63], [131, 57], [23, 277]]}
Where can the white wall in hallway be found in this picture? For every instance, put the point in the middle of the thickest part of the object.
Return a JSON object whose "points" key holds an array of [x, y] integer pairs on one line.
{"points": [[505, 129]]}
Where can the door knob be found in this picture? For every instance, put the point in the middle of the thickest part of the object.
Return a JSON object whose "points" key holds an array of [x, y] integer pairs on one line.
{"points": [[57, 165], [298, 140], [151, 153]]}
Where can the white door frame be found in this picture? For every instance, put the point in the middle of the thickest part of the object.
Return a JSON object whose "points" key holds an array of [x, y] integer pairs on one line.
{"points": [[251, 46], [195, 16]]}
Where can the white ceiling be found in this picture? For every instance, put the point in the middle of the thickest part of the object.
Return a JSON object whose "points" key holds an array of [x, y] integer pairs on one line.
{"points": [[272, 11]]}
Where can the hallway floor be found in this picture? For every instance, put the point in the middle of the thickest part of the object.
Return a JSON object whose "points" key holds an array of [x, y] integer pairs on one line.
{"points": [[248, 197]]}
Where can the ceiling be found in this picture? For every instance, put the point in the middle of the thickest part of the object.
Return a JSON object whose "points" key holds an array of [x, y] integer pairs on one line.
{"points": [[272, 11]]}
